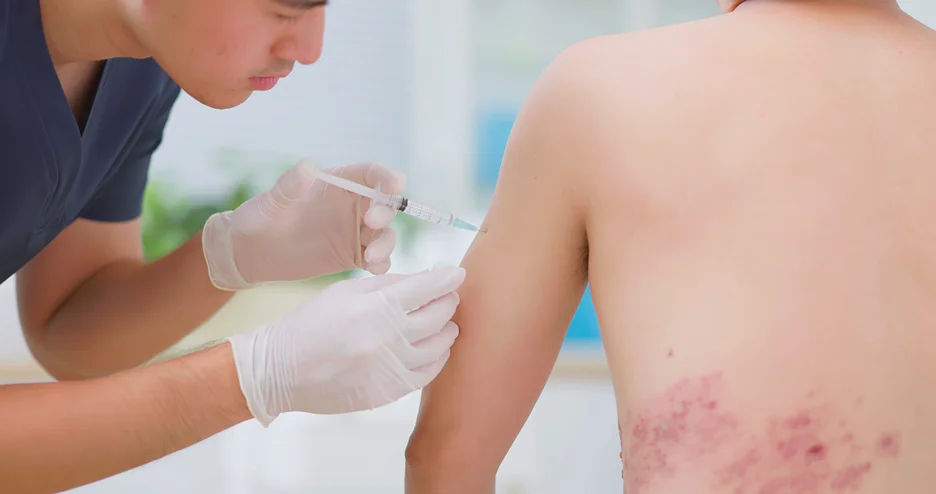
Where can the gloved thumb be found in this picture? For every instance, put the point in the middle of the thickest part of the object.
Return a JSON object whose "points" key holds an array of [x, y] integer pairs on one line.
{"points": [[293, 184]]}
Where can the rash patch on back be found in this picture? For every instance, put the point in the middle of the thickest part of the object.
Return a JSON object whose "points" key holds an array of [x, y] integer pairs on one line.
{"points": [[689, 428]]}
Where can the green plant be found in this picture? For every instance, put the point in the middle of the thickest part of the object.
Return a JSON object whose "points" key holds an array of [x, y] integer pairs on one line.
{"points": [[169, 219], [407, 229]]}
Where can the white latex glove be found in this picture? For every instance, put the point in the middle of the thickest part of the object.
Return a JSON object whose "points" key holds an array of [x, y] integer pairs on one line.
{"points": [[303, 228], [358, 345]]}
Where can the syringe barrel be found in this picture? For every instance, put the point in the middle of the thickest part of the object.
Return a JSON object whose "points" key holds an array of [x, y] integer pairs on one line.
{"points": [[396, 202], [424, 212]]}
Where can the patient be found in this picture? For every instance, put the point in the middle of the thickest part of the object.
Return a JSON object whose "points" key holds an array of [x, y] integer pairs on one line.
{"points": [[753, 200]]}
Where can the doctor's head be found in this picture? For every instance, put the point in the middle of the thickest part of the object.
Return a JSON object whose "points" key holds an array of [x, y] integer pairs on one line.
{"points": [[221, 51]]}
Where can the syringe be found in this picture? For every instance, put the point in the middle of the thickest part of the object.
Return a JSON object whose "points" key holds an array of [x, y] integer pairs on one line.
{"points": [[397, 202]]}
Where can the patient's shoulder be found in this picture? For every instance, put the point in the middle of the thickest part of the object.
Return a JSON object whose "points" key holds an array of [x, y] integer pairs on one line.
{"points": [[607, 83], [638, 66], [613, 103]]}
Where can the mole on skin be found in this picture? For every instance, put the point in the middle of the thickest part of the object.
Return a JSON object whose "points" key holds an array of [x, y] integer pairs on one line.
{"points": [[809, 451]]}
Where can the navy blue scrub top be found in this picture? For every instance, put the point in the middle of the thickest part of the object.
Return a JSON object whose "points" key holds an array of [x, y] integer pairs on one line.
{"points": [[50, 173]]}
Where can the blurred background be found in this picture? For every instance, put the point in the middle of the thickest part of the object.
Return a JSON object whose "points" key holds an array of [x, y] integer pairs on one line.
{"points": [[428, 87]]}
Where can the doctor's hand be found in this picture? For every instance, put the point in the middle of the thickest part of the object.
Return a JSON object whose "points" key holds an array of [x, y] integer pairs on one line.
{"points": [[303, 228], [357, 345]]}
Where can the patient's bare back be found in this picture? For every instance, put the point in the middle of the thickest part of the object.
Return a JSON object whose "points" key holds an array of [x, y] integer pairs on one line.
{"points": [[762, 250]]}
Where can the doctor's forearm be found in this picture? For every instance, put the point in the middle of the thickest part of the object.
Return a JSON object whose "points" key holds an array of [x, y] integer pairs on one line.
{"points": [[60, 435], [129, 312]]}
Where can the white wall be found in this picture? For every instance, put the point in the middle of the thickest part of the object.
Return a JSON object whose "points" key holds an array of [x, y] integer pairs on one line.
{"points": [[353, 105], [569, 445], [923, 10]]}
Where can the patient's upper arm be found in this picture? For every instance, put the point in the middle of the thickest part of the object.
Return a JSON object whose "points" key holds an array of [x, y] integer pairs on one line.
{"points": [[526, 273]]}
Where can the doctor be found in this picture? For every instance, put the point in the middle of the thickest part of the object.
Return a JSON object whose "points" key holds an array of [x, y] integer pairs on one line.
{"points": [[86, 87]]}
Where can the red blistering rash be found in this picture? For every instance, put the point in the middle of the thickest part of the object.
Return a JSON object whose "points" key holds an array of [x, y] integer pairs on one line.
{"points": [[686, 422], [690, 429], [889, 446], [850, 477]]}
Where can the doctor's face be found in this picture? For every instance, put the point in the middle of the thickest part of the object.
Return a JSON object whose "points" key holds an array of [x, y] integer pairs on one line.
{"points": [[221, 51]]}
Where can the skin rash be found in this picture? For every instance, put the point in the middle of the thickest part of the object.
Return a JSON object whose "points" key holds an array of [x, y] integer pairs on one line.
{"points": [[811, 450]]}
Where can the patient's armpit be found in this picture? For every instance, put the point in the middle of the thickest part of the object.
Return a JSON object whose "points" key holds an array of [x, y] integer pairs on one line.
{"points": [[691, 431]]}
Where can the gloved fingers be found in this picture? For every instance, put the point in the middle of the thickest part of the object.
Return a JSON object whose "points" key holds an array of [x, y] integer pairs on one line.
{"points": [[367, 236], [440, 342], [377, 250], [378, 267], [419, 289], [293, 185], [372, 175], [427, 321], [375, 283], [378, 217], [387, 380], [391, 181], [422, 376], [328, 191], [431, 349]]}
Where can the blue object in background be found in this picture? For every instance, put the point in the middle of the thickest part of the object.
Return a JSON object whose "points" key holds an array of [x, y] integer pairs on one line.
{"points": [[584, 327], [494, 129]]}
